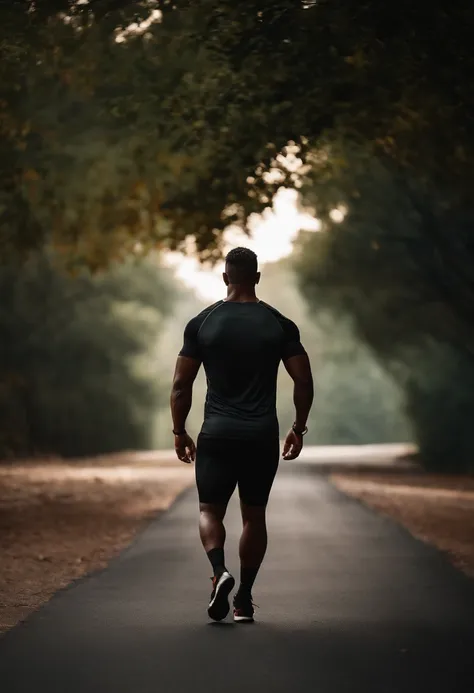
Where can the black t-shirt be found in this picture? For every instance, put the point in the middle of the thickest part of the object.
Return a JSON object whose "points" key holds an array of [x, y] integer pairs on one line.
{"points": [[241, 346]]}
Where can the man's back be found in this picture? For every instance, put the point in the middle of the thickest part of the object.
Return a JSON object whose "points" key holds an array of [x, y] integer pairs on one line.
{"points": [[241, 345]]}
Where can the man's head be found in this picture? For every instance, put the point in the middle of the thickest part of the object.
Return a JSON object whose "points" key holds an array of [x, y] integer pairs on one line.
{"points": [[241, 268]]}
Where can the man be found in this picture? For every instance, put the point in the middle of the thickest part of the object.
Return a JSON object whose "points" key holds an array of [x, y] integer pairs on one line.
{"points": [[240, 341]]}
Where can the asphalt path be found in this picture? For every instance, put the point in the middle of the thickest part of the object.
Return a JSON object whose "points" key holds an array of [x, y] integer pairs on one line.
{"points": [[348, 601]]}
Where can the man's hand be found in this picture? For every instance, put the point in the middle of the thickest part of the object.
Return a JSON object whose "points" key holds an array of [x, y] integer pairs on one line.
{"points": [[185, 448], [293, 445]]}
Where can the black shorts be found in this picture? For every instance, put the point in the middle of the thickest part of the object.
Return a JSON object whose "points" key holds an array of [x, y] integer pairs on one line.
{"points": [[223, 464]]}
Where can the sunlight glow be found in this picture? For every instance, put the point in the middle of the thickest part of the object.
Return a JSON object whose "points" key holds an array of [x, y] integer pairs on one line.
{"points": [[338, 214], [138, 28], [272, 237]]}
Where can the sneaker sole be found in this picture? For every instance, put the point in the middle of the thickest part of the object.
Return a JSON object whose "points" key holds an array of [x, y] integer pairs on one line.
{"points": [[244, 619], [220, 607]]}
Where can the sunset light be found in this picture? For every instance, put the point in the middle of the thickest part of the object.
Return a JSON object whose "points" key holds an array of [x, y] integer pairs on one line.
{"points": [[272, 237]]}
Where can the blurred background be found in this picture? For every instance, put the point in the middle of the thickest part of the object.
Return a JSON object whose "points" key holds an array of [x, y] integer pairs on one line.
{"points": [[141, 140]]}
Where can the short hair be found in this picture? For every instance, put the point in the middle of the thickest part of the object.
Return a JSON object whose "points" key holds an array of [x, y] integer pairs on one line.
{"points": [[241, 266]]}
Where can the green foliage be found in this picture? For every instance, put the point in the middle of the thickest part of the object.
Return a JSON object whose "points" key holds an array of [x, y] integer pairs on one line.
{"points": [[78, 358], [102, 138], [407, 294], [168, 133], [440, 403], [114, 148]]}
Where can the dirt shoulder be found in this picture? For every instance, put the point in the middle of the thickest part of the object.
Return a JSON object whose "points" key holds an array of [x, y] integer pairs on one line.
{"points": [[438, 509], [60, 520]]}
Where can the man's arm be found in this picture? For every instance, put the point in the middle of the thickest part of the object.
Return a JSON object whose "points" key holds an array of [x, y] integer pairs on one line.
{"points": [[187, 367], [297, 364], [180, 402], [182, 390], [299, 369]]}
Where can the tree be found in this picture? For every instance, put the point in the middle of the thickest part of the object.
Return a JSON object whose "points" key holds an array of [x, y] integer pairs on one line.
{"points": [[378, 267], [120, 135], [103, 135], [169, 133], [79, 358]]}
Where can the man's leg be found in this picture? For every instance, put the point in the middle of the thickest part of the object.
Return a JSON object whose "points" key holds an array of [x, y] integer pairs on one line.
{"points": [[252, 546], [216, 481], [255, 482], [212, 533]]}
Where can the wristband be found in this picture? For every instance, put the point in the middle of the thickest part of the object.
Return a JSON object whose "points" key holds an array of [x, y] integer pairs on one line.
{"points": [[179, 433], [300, 433]]}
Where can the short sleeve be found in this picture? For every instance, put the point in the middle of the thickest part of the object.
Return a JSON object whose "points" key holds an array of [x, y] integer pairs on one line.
{"points": [[291, 341], [190, 347]]}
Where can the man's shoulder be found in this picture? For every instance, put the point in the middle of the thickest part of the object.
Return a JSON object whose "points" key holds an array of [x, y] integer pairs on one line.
{"points": [[200, 317], [277, 314], [289, 328], [214, 305], [204, 313]]}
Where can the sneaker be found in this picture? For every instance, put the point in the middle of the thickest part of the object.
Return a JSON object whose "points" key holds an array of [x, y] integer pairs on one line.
{"points": [[243, 608], [219, 604]]}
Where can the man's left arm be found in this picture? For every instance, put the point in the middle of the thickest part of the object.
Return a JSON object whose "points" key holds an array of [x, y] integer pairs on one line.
{"points": [[297, 364]]}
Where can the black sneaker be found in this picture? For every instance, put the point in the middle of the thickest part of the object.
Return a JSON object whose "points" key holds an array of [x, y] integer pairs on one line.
{"points": [[219, 604], [243, 608]]}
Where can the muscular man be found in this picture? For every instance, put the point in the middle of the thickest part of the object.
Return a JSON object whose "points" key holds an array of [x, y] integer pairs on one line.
{"points": [[240, 341]]}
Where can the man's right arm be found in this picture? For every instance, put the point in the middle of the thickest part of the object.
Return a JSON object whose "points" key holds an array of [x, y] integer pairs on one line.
{"points": [[187, 367]]}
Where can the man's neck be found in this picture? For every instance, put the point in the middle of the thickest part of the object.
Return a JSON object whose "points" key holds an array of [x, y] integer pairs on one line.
{"points": [[238, 293]]}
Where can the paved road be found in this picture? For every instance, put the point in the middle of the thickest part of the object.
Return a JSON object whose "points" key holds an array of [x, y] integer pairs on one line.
{"points": [[349, 602]]}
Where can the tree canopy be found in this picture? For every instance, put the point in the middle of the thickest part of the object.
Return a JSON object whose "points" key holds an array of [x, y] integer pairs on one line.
{"points": [[403, 295], [127, 127], [121, 134]]}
